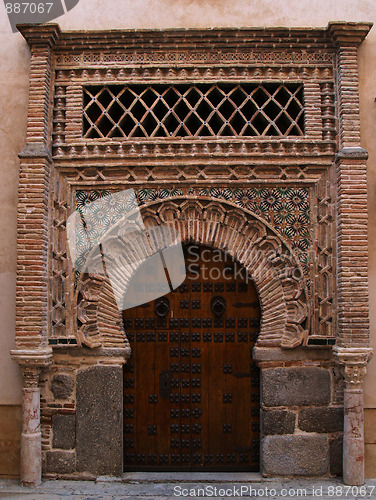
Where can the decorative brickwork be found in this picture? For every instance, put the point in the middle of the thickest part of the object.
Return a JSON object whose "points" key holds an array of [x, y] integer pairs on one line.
{"points": [[351, 172], [267, 257], [286, 209], [33, 216], [286, 197]]}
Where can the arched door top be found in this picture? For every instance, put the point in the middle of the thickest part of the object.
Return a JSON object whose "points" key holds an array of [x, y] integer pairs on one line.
{"points": [[265, 254]]}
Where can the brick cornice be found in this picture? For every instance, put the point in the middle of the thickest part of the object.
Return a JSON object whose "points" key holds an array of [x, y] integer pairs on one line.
{"points": [[196, 39], [348, 34], [337, 33], [40, 34]]}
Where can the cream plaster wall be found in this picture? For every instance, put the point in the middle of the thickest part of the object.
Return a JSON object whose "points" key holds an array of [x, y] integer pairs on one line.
{"points": [[14, 59], [107, 14]]}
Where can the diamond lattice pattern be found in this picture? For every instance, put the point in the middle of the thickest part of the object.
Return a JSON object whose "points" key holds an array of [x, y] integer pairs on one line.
{"points": [[198, 110]]}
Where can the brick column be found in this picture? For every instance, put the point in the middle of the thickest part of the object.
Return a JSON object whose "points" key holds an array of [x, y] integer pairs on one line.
{"points": [[352, 352], [32, 350], [33, 194]]}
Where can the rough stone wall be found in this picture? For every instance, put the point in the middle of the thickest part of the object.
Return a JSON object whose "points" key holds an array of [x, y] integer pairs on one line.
{"points": [[301, 413], [81, 408], [302, 424]]}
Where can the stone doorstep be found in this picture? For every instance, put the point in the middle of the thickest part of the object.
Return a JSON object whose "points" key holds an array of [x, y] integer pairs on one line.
{"points": [[186, 477], [213, 477]]}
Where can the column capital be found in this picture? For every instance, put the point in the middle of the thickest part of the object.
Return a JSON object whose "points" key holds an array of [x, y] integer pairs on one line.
{"points": [[353, 363], [35, 150], [31, 362], [30, 376], [32, 358], [349, 153]]}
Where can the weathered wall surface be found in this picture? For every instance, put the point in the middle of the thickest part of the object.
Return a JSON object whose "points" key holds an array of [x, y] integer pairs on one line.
{"points": [[109, 14], [14, 56]]}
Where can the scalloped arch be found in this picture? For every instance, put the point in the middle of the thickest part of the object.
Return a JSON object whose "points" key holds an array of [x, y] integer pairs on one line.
{"points": [[247, 238]]}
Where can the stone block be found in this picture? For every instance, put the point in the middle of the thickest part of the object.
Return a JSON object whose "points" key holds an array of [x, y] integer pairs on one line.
{"points": [[64, 431], [61, 462], [319, 353], [335, 452], [321, 419], [295, 386], [62, 386], [278, 422], [99, 425], [295, 455]]}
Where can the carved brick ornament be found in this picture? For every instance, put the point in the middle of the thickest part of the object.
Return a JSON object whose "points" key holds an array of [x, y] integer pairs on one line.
{"points": [[228, 135]]}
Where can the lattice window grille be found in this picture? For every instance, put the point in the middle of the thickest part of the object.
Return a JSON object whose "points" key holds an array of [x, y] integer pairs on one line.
{"points": [[198, 110]]}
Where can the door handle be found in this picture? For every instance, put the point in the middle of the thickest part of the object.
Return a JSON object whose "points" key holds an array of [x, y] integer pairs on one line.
{"points": [[165, 384]]}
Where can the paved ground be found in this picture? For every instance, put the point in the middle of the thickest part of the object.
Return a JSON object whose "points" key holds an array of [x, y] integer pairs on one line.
{"points": [[182, 485]]}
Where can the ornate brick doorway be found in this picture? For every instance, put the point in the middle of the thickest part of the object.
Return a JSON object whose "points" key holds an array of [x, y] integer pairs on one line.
{"points": [[250, 142], [191, 388]]}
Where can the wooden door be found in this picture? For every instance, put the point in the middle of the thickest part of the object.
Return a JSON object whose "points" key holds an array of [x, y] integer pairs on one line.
{"points": [[191, 389]]}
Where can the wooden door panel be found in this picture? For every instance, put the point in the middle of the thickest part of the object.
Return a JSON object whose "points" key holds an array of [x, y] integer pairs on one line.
{"points": [[195, 342]]}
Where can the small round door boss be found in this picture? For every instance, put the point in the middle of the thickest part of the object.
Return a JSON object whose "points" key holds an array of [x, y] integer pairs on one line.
{"points": [[162, 307], [218, 305]]}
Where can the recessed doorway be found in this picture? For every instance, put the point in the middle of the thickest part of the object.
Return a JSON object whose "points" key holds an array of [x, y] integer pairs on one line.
{"points": [[191, 388]]}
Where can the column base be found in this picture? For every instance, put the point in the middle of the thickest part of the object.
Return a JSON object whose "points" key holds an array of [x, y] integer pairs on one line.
{"points": [[31, 461]]}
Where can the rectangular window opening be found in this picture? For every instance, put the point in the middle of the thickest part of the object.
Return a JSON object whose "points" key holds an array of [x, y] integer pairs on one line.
{"points": [[193, 110]]}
